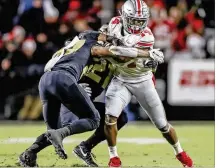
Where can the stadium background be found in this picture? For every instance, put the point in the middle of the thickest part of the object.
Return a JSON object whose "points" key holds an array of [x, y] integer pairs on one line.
{"points": [[32, 30]]}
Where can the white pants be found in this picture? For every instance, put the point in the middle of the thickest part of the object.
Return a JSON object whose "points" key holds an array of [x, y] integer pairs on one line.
{"points": [[119, 95]]}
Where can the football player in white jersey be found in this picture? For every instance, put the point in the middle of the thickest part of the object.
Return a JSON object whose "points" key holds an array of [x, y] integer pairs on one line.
{"points": [[134, 77]]}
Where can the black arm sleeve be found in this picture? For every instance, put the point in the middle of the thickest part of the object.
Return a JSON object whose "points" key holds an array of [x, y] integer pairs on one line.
{"points": [[89, 35]]}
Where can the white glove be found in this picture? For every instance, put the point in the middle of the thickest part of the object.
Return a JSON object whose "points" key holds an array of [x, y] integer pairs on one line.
{"points": [[157, 55], [86, 87]]}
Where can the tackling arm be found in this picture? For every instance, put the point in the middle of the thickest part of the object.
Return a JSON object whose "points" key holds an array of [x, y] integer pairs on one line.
{"points": [[119, 51]]}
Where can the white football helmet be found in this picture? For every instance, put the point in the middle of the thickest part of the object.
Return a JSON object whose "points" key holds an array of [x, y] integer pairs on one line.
{"points": [[135, 15]]}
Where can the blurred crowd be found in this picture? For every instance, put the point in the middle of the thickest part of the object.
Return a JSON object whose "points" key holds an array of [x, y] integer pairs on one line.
{"points": [[182, 28], [32, 30]]}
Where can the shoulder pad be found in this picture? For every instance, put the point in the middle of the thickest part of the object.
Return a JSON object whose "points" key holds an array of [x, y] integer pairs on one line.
{"points": [[147, 36], [147, 32]]}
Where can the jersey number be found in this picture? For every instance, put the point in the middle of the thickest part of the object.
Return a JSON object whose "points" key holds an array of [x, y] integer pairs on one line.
{"points": [[91, 73]]}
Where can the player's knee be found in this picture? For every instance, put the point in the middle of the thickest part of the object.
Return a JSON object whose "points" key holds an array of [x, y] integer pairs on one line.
{"points": [[95, 123], [110, 120], [98, 122], [159, 122], [64, 124], [166, 128]]}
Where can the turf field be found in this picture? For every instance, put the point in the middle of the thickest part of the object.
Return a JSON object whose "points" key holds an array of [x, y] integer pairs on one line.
{"points": [[140, 144]]}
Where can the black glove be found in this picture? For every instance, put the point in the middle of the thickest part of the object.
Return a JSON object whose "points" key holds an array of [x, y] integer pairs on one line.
{"points": [[89, 34], [151, 64], [68, 41], [115, 41]]}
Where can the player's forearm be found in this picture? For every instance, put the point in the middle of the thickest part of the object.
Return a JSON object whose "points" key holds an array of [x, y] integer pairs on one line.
{"points": [[107, 52], [143, 53], [128, 52], [100, 51], [119, 51]]}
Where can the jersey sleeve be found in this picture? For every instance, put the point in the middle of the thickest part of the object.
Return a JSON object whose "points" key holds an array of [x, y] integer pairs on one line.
{"points": [[147, 39]]}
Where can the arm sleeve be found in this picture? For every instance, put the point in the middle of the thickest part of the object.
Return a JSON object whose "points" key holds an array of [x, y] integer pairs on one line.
{"points": [[124, 51], [89, 35]]}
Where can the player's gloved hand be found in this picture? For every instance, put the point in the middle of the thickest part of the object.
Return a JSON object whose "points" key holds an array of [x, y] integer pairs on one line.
{"points": [[86, 87], [152, 64], [67, 41], [88, 33], [157, 55], [114, 40]]}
